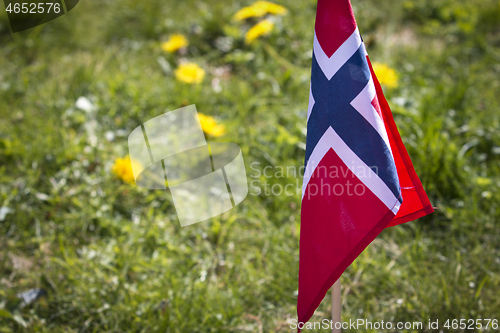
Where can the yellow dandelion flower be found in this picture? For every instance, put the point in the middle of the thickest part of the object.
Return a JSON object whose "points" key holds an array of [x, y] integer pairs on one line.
{"points": [[262, 28], [386, 75], [247, 12], [259, 9], [189, 73], [174, 43], [210, 127], [123, 169], [271, 8]]}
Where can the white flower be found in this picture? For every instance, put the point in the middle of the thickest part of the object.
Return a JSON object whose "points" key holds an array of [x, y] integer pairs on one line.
{"points": [[83, 103]]}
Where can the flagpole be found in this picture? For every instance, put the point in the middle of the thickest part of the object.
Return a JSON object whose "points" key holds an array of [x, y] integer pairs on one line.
{"points": [[336, 306]]}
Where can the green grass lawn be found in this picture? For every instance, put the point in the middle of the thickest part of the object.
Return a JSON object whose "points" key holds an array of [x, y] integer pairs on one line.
{"points": [[112, 257]]}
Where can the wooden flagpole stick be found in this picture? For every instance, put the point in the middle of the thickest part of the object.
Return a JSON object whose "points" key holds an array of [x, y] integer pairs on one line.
{"points": [[336, 305]]}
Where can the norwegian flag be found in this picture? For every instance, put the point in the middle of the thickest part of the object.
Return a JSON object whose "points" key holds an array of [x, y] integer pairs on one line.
{"points": [[358, 176]]}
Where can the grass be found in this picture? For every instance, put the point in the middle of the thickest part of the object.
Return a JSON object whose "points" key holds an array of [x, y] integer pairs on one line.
{"points": [[113, 258]]}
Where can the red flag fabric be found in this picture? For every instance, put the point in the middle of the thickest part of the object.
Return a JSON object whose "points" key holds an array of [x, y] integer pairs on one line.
{"points": [[416, 204], [358, 176]]}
